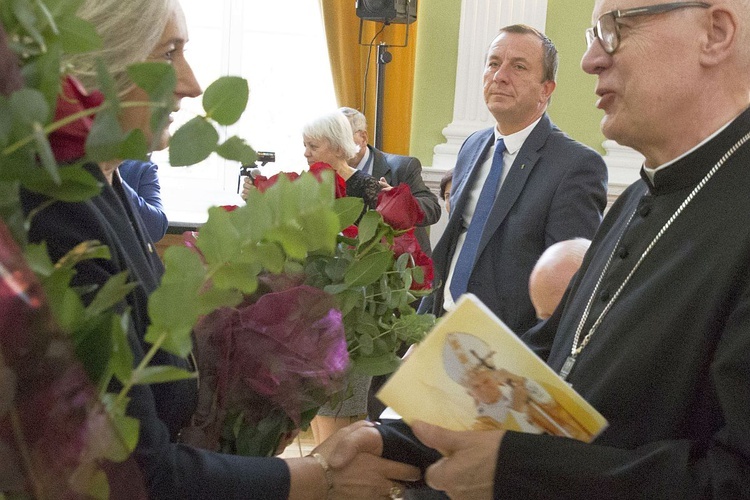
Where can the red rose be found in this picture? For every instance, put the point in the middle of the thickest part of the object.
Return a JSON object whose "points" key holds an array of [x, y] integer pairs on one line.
{"points": [[229, 208], [262, 183], [317, 168], [68, 143], [351, 231], [399, 208], [407, 243]]}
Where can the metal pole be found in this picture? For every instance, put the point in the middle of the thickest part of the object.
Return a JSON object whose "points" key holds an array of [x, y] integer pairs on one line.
{"points": [[384, 57]]}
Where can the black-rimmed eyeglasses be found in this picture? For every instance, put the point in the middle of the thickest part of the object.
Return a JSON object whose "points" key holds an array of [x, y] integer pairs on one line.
{"points": [[607, 29]]}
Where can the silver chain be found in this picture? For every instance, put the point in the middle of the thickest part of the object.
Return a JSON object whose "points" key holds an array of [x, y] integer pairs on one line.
{"points": [[576, 349]]}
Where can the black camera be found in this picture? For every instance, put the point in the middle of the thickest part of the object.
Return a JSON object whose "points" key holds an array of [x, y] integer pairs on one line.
{"points": [[264, 157]]}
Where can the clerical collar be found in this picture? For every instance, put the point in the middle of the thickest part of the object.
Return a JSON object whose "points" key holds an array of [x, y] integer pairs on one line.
{"points": [[650, 172], [514, 141]]}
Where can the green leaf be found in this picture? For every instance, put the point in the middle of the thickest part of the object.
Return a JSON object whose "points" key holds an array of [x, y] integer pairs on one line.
{"points": [[219, 240], [76, 184], [237, 149], [365, 345], [160, 374], [6, 126], [38, 260], [369, 269], [158, 79], [110, 294], [105, 139], [271, 257], [243, 277], [93, 345], [368, 226], [348, 210], [77, 36], [213, 299], [192, 143], [107, 86], [379, 365], [44, 151], [127, 427], [29, 106], [135, 146], [225, 99], [336, 288], [401, 263], [121, 359]]}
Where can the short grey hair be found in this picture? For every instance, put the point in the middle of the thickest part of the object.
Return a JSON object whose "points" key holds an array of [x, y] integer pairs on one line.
{"points": [[334, 128], [357, 120], [130, 31]]}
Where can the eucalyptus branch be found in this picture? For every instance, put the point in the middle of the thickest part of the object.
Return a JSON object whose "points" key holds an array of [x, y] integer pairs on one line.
{"points": [[75, 117], [381, 334]]}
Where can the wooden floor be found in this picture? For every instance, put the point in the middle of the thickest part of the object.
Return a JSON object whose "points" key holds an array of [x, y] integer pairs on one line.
{"points": [[301, 446]]}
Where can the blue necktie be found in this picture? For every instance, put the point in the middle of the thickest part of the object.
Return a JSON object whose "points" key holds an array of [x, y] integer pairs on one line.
{"points": [[468, 255]]}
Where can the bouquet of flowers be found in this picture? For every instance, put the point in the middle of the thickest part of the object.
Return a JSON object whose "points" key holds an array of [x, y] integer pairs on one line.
{"points": [[268, 364]]}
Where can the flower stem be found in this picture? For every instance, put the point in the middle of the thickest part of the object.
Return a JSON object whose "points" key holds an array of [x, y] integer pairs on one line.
{"points": [[141, 366]]}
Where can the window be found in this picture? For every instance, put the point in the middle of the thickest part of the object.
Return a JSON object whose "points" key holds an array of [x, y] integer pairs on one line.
{"points": [[280, 48]]}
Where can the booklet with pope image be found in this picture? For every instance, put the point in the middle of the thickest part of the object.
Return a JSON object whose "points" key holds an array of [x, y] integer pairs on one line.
{"points": [[473, 372]]}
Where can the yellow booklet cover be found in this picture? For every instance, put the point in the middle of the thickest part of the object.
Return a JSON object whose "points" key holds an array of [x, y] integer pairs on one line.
{"points": [[472, 372]]}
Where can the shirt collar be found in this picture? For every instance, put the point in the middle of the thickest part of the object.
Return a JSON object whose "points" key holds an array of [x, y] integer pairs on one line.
{"points": [[514, 141], [362, 165]]}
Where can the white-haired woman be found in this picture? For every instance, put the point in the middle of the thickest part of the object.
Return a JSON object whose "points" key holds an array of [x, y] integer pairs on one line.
{"points": [[134, 31], [329, 139]]}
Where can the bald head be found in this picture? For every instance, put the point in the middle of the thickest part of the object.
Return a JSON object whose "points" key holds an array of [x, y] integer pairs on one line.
{"points": [[552, 273]]}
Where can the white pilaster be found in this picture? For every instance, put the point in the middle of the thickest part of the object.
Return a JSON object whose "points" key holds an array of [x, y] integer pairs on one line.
{"points": [[480, 22]]}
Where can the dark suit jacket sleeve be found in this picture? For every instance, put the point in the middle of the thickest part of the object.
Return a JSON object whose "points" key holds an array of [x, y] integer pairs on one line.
{"points": [[576, 209]]}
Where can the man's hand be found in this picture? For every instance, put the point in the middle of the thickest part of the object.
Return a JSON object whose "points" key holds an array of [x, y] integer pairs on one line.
{"points": [[467, 471], [384, 184], [353, 454]]}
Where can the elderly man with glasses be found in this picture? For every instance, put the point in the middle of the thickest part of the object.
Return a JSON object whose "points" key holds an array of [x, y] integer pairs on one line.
{"points": [[655, 329]]}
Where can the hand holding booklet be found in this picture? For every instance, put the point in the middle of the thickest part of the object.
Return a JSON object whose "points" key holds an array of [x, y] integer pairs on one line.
{"points": [[473, 372]]}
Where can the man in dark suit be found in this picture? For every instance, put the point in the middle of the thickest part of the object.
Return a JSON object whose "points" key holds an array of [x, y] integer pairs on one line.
{"points": [[393, 170], [544, 187]]}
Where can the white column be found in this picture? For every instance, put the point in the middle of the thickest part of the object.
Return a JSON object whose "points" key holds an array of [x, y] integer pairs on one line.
{"points": [[480, 22]]}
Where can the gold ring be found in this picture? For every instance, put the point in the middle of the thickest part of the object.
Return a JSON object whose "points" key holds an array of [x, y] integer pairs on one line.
{"points": [[396, 491]]}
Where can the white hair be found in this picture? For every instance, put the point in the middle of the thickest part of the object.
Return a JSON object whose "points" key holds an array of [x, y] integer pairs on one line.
{"points": [[334, 128], [357, 120], [130, 31]]}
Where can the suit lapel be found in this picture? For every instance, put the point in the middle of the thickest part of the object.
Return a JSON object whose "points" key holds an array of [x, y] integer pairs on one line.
{"points": [[443, 250], [380, 167], [516, 179]]}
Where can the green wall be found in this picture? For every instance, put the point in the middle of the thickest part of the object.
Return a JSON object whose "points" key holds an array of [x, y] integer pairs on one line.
{"points": [[572, 107], [573, 103], [434, 75]]}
